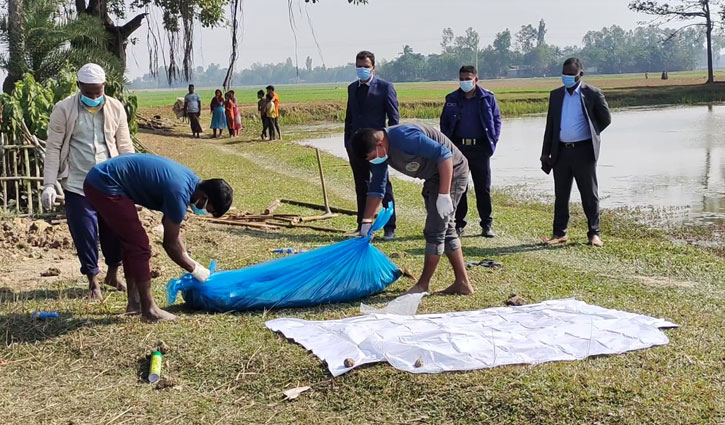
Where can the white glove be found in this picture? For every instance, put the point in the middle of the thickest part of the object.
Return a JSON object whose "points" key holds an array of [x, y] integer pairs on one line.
{"points": [[49, 196], [365, 229], [200, 272], [444, 205]]}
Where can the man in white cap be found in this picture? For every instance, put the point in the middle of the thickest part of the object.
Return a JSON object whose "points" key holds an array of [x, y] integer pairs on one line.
{"points": [[85, 129]]}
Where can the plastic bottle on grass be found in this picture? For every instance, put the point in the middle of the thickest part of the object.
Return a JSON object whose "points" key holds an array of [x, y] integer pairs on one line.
{"points": [[155, 367]]}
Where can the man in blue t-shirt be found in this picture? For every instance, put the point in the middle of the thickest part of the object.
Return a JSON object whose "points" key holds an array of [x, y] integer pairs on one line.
{"points": [[422, 152], [114, 187]]}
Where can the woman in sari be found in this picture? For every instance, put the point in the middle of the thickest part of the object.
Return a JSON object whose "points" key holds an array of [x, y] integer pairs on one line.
{"points": [[218, 120], [238, 126]]}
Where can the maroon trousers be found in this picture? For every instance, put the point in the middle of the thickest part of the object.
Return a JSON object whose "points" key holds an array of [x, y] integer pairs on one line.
{"points": [[120, 215]]}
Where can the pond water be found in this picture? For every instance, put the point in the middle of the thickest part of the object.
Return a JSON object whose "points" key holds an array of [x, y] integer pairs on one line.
{"points": [[662, 157]]}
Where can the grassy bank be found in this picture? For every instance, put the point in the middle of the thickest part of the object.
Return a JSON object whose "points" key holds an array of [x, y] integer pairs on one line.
{"points": [[227, 368], [326, 102]]}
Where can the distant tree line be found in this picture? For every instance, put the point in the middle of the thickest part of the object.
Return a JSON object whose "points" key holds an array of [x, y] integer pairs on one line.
{"points": [[525, 53]]}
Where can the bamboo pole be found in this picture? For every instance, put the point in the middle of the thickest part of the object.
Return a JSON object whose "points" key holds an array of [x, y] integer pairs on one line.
{"points": [[38, 184], [3, 171], [28, 184], [318, 207], [322, 181], [17, 182]]}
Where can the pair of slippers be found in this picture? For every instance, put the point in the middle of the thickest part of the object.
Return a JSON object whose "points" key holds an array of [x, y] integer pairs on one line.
{"points": [[485, 263]]}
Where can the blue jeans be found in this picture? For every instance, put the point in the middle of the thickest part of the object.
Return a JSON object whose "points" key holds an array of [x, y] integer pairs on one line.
{"points": [[86, 229]]}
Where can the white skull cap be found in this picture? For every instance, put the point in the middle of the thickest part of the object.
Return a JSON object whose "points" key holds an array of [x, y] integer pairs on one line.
{"points": [[91, 73]]}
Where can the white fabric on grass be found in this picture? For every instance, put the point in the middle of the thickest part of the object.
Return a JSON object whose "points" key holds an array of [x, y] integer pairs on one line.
{"points": [[554, 330]]}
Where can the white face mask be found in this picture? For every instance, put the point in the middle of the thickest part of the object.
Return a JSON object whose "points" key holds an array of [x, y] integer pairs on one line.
{"points": [[467, 85]]}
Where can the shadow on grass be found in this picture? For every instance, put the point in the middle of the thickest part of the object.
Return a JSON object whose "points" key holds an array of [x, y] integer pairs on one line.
{"points": [[493, 252], [8, 295], [21, 328], [381, 298]]}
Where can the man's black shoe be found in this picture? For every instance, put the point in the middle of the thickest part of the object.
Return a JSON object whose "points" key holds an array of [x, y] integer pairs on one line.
{"points": [[488, 233], [460, 231]]}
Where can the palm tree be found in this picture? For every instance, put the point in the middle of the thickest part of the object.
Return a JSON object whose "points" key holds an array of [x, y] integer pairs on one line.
{"points": [[50, 40]]}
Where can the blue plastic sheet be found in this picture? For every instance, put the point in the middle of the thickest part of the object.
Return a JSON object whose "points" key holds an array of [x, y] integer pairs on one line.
{"points": [[342, 272]]}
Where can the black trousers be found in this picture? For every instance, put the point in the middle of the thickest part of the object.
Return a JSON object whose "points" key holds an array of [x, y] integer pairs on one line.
{"points": [[361, 174], [578, 164], [479, 162]]}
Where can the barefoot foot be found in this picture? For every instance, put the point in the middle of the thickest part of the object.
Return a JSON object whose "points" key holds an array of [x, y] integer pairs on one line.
{"points": [[156, 315], [133, 309], [112, 280], [458, 288], [95, 294], [417, 289]]}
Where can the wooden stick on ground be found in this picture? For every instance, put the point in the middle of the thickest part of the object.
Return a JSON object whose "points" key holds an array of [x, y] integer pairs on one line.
{"points": [[271, 208], [318, 207]]}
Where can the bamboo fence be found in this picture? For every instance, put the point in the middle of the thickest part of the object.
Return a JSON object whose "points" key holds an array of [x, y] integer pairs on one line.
{"points": [[21, 175]]}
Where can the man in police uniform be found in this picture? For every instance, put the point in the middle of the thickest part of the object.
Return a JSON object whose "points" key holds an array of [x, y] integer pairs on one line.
{"points": [[472, 120], [421, 152]]}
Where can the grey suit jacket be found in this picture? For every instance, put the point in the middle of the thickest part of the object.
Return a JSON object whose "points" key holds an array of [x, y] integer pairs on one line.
{"points": [[596, 110]]}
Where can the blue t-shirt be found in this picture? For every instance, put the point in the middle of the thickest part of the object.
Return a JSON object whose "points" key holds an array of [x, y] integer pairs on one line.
{"points": [[151, 181], [415, 150]]}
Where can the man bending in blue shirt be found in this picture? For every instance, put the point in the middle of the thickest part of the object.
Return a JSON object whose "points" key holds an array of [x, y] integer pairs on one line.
{"points": [[114, 187], [422, 152]]}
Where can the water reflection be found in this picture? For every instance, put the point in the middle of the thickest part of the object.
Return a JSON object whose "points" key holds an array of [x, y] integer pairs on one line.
{"points": [[663, 157]]}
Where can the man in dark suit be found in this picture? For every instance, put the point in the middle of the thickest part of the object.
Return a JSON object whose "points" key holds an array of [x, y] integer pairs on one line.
{"points": [[578, 113], [369, 101]]}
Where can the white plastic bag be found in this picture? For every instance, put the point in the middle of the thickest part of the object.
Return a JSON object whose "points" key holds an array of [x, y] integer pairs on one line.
{"points": [[404, 305]]}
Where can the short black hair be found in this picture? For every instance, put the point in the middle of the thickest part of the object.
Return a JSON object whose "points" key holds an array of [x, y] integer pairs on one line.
{"points": [[574, 61], [467, 69], [365, 55], [219, 194], [191, 86], [269, 96], [363, 142], [261, 92], [270, 87]]}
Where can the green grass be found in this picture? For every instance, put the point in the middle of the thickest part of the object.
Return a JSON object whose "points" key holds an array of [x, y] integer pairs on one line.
{"points": [[228, 368]]}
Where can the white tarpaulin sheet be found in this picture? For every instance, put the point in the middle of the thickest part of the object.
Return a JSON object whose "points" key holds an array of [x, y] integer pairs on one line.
{"points": [[555, 330]]}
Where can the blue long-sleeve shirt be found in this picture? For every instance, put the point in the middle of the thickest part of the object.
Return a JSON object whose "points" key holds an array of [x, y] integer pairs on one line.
{"points": [[414, 150]]}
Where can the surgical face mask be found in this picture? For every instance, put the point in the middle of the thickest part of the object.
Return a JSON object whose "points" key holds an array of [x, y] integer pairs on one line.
{"points": [[91, 103], [467, 85], [380, 159], [568, 80], [197, 210], [363, 74]]}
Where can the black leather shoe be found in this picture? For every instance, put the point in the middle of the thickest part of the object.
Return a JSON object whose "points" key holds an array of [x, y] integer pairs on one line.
{"points": [[389, 235], [460, 231], [488, 233]]}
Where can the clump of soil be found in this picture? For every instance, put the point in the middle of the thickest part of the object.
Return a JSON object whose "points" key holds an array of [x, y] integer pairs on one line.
{"points": [[515, 300], [22, 234], [52, 271]]}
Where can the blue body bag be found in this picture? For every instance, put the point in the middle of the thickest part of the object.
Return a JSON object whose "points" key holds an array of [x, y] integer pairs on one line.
{"points": [[342, 272]]}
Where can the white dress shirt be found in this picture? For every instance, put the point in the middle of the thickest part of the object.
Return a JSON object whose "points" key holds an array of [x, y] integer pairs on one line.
{"points": [[574, 123]]}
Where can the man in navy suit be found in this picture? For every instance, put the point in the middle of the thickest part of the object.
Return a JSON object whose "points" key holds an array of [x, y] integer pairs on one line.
{"points": [[369, 101]]}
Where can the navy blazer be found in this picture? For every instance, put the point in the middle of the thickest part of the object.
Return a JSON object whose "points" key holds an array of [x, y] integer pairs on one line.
{"points": [[489, 110], [596, 110], [381, 101]]}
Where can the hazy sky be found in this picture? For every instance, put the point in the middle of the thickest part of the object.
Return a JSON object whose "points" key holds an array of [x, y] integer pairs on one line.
{"points": [[384, 26]]}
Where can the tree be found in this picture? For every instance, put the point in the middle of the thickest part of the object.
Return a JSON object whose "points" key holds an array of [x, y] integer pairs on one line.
{"points": [[468, 45], [308, 64], [446, 40], [13, 36], [526, 38], [50, 40], [685, 10]]}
